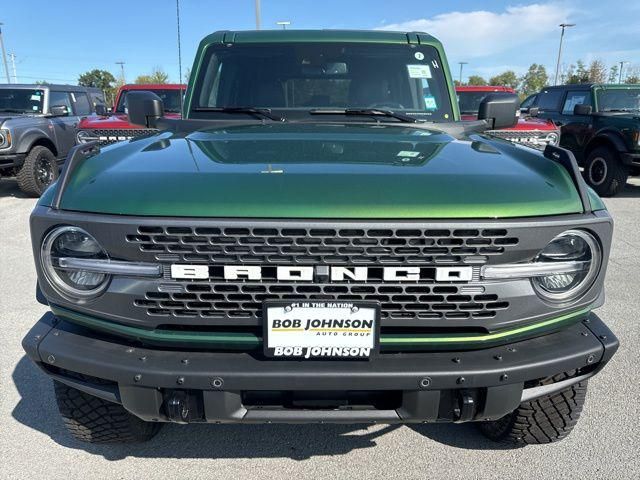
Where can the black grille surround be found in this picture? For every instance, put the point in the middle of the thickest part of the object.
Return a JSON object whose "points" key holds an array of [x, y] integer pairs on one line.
{"points": [[216, 304]]}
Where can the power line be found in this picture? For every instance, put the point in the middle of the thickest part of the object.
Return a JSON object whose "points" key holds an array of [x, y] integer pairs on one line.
{"points": [[121, 63]]}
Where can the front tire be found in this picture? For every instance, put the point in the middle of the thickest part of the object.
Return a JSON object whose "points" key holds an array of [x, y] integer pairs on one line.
{"points": [[91, 419], [604, 172], [40, 169], [544, 420]]}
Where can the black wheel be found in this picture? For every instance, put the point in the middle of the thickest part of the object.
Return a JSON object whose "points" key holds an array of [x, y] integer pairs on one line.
{"points": [[91, 419], [604, 172], [544, 420], [39, 170]]}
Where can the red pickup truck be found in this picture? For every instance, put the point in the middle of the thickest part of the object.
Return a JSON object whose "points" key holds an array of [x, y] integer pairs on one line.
{"points": [[114, 127], [530, 131]]}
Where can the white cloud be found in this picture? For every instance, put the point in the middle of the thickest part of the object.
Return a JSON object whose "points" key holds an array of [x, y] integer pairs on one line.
{"points": [[482, 33]]}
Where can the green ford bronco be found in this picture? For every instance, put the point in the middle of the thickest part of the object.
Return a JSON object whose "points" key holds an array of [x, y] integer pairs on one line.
{"points": [[320, 239]]}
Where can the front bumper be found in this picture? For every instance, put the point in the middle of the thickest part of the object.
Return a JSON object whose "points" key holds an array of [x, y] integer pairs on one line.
{"points": [[217, 387], [631, 159], [11, 160]]}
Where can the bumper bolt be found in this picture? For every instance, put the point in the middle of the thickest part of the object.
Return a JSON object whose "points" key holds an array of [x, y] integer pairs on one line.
{"points": [[585, 334], [354, 309], [288, 308], [498, 357], [56, 334], [504, 377], [217, 382], [180, 380], [425, 382], [460, 380], [185, 361], [143, 359], [511, 349], [456, 360], [129, 350], [137, 378], [603, 337], [591, 358], [51, 359]]}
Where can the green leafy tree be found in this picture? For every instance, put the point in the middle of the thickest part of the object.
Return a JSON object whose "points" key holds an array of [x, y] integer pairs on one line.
{"points": [[577, 74], [505, 79], [614, 73], [157, 76], [632, 75], [42, 82], [101, 79], [534, 80], [476, 80]]}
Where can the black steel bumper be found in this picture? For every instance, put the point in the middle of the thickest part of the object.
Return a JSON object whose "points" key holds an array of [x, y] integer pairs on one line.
{"points": [[218, 387], [632, 159], [10, 160]]}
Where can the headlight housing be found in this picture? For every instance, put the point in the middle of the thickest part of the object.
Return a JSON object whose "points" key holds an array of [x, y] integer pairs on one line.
{"points": [[76, 284], [5, 138], [573, 247], [552, 138]]}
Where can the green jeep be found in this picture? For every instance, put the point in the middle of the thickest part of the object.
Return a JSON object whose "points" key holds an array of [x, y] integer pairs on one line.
{"points": [[320, 239], [600, 124]]}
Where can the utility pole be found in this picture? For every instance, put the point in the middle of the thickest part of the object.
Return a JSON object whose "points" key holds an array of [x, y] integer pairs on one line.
{"points": [[179, 53], [462, 64], [620, 73], [4, 55], [563, 25], [258, 15], [121, 71], [13, 65]]}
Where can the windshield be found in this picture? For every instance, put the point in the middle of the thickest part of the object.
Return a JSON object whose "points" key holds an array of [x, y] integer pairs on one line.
{"points": [[295, 78], [619, 99], [21, 100], [171, 99]]}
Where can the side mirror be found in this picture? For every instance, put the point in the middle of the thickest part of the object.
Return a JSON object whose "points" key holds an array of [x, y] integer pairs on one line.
{"points": [[59, 110], [144, 108], [525, 110], [500, 110], [533, 111], [582, 109], [101, 110]]}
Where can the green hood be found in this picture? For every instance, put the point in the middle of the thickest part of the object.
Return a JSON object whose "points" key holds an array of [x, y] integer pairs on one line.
{"points": [[320, 171]]}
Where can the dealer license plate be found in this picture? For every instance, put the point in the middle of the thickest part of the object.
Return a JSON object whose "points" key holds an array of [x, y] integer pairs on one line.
{"points": [[321, 329]]}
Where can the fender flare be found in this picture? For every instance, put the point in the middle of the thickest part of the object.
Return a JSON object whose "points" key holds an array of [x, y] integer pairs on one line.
{"points": [[33, 135], [610, 138]]}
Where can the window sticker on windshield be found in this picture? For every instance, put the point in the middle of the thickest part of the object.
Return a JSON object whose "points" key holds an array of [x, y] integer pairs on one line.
{"points": [[35, 98], [430, 102], [35, 107], [419, 71], [408, 153], [419, 55]]}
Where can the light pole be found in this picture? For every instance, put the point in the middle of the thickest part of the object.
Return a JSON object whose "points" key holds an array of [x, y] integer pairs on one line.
{"points": [[462, 64], [4, 55], [284, 24], [13, 65], [258, 15], [563, 25], [620, 72], [121, 71]]}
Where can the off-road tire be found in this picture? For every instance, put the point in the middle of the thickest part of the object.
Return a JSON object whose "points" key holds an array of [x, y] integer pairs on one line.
{"points": [[544, 420], [615, 175], [28, 179], [91, 419]]}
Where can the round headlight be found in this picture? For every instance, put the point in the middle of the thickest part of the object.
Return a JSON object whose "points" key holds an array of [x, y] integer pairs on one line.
{"points": [[72, 242], [578, 249], [552, 138], [84, 136]]}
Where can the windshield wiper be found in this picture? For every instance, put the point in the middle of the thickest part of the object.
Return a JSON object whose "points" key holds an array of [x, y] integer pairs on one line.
{"points": [[375, 112], [621, 110], [263, 112], [12, 110]]}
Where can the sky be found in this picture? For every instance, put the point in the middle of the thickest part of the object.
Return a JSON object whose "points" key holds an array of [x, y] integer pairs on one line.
{"points": [[57, 40]]}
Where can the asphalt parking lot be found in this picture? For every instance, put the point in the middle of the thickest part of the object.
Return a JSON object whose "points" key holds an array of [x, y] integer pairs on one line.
{"points": [[34, 444]]}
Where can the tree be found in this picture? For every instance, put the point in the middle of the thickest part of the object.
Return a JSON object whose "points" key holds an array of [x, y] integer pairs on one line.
{"points": [[597, 72], [476, 80], [632, 75], [101, 79], [187, 74], [534, 80], [157, 76], [42, 82], [613, 74], [505, 79], [577, 74]]}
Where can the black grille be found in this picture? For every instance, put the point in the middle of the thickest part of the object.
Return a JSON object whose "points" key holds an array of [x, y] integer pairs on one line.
{"points": [[107, 136], [244, 300], [313, 246], [531, 138]]}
